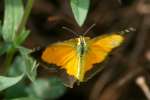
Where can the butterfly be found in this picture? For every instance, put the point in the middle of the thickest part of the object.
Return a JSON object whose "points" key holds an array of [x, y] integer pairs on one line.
{"points": [[78, 55]]}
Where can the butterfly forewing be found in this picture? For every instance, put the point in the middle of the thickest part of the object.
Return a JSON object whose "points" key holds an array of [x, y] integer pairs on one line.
{"points": [[107, 42]]}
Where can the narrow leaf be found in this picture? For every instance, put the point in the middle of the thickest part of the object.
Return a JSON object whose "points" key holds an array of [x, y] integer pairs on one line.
{"points": [[12, 18], [6, 82], [21, 37], [80, 9]]}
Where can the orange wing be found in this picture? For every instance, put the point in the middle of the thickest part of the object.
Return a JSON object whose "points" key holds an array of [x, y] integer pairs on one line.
{"points": [[100, 47], [64, 55]]}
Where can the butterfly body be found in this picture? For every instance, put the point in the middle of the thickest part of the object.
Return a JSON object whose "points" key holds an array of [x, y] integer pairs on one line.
{"points": [[81, 51]]}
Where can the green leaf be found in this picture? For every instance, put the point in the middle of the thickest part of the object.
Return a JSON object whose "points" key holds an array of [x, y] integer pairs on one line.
{"points": [[24, 51], [80, 9], [6, 82], [21, 37], [18, 66], [16, 91], [31, 68], [12, 18], [50, 89], [30, 64]]}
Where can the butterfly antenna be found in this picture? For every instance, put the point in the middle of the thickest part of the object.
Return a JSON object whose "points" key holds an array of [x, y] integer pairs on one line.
{"points": [[70, 30], [131, 29], [89, 29]]}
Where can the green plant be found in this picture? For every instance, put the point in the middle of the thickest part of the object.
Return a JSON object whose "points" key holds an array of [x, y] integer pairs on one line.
{"points": [[13, 34]]}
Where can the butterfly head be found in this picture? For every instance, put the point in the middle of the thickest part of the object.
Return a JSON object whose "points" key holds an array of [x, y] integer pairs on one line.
{"points": [[81, 40]]}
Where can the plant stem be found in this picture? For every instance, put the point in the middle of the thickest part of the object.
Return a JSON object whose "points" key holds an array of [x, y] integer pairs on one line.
{"points": [[25, 16], [9, 58]]}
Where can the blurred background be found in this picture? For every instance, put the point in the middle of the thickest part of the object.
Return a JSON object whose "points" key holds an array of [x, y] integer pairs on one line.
{"points": [[126, 75]]}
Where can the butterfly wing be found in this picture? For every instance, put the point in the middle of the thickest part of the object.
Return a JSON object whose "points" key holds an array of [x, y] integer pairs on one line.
{"points": [[64, 55], [100, 47]]}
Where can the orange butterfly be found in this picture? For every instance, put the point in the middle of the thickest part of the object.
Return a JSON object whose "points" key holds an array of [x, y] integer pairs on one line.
{"points": [[77, 56]]}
